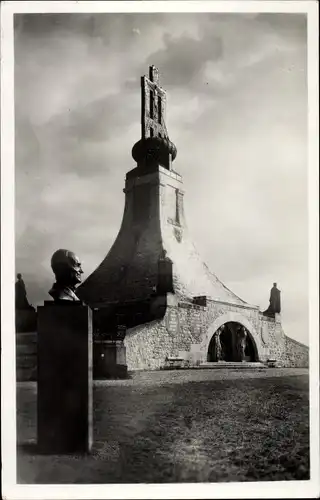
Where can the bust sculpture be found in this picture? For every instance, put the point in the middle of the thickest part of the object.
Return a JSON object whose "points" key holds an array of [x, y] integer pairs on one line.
{"points": [[67, 269]]}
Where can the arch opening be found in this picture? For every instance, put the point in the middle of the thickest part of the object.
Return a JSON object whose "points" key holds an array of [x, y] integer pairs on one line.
{"points": [[232, 342]]}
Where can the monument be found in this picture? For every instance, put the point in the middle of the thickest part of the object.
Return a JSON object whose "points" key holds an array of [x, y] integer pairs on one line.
{"points": [[154, 282], [64, 397]]}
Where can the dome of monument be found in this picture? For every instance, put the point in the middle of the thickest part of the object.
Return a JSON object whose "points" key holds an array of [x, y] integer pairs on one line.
{"points": [[156, 148]]}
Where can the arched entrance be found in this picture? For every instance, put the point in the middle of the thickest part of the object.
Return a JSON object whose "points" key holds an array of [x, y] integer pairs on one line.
{"points": [[231, 342]]}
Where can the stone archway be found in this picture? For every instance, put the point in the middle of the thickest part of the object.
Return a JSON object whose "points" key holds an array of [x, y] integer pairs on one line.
{"points": [[231, 342], [229, 328]]}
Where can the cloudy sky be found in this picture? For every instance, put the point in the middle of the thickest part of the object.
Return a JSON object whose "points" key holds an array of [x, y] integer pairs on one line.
{"points": [[237, 112]]}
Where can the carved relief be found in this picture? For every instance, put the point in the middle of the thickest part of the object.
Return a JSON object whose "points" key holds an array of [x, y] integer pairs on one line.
{"points": [[265, 333], [172, 320], [178, 234]]}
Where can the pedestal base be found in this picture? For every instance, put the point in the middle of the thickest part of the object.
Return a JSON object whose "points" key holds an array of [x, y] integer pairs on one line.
{"points": [[64, 378]]}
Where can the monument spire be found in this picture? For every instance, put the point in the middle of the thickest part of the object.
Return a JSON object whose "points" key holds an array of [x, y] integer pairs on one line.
{"points": [[153, 249], [153, 106], [154, 147]]}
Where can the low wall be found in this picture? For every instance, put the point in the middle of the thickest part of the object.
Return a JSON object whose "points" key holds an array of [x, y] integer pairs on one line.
{"points": [[296, 354]]}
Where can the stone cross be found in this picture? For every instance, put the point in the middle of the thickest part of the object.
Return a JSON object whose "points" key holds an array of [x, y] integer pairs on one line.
{"points": [[153, 99]]}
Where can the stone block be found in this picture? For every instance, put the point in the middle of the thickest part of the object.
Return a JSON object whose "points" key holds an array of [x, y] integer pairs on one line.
{"points": [[64, 403]]}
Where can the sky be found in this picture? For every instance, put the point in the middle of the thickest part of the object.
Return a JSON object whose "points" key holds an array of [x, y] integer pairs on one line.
{"points": [[236, 110]]}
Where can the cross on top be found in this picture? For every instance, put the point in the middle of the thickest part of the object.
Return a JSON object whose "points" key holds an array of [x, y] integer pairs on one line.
{"points": [[153, 99]]}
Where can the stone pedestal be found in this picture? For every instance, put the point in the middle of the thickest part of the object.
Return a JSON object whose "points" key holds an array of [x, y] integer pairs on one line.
{"points": [[109, 359], [64, 378]]}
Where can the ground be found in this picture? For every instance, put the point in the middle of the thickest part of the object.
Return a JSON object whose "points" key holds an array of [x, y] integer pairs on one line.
{"points": [[182, 426]]}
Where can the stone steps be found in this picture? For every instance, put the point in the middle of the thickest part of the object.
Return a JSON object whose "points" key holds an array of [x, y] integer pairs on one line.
{"points": [[26, 374], [26, 356], [27, 361], [246, 365], [23, 350], [26, 338]]}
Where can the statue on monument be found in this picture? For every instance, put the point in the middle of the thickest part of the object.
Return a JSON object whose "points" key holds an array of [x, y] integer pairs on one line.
{"points": [[217, 348], [241, 341], [66, 267], [274, 302], [22, 302]]}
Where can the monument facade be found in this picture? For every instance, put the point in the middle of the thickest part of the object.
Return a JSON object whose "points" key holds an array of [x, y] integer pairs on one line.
{"points": [[154, 282]]}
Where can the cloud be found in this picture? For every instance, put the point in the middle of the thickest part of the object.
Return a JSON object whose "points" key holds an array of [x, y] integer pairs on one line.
{"points": [[184, 58], [237, 112]]}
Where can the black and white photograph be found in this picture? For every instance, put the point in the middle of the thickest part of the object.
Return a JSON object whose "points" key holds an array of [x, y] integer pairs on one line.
{"points": [[158, 271]]}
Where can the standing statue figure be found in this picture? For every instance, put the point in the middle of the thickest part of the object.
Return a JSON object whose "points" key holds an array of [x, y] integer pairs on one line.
{"points": [[21, 294], [217, 349], [275, 302], [241, 343], [67, 269]]}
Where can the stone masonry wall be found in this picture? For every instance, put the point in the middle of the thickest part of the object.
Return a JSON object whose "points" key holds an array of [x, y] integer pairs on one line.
{"points": [[186, 330], [296, 354], [147, 346]]}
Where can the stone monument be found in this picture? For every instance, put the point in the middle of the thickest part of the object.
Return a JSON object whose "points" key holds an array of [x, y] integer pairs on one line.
{"points": [[64, 403], [154, 281]]}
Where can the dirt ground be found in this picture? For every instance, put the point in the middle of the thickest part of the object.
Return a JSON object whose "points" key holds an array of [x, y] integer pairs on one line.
{"points": [[182, 426]]}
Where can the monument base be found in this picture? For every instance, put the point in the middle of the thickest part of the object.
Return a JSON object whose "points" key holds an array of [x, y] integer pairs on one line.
{"points": [[64, 378]]}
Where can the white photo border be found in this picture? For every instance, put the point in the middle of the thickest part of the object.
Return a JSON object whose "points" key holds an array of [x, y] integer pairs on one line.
{"points": [[277, 489]]}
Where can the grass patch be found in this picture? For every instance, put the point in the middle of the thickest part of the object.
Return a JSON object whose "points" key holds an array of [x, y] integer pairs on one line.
{"points": [[248, 429]]}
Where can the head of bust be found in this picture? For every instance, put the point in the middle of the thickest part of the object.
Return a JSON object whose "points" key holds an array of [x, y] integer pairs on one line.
{"points": [[66, 267]]}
